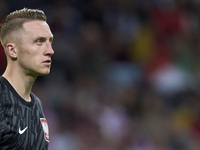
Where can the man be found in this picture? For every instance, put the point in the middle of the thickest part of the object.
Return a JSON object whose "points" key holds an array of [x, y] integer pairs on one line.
{"points": [[27, 41]]}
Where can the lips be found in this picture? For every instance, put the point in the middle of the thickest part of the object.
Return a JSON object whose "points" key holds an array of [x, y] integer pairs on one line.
{"points": [[47, 62]]}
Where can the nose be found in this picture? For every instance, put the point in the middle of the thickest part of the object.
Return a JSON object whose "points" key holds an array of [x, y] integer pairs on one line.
{"points": [[49, 49]]}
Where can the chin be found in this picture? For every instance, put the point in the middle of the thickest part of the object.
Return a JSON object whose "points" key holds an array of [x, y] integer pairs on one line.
{"points": [[46, 73], [43, 73]]}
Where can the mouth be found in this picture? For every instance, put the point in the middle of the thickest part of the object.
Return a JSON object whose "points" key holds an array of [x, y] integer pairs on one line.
{"points": [[47, 62]]}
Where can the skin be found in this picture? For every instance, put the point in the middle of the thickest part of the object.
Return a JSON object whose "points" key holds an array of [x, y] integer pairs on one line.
{"points": [[29, 54]]}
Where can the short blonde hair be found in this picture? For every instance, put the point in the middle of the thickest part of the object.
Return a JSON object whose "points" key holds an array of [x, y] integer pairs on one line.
{"points": [[15, 20]]}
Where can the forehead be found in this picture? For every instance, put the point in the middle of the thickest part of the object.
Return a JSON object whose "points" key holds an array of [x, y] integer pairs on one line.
{"points": [[37, 28]]}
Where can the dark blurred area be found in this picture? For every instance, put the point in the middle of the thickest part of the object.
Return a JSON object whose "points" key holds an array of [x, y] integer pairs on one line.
{"points": [[125, 73]]}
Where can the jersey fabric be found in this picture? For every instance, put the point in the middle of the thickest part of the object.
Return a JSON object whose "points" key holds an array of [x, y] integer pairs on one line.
{"points": [[22, 124]]}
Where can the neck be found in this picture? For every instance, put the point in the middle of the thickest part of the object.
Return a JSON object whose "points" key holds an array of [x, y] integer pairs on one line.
{"points": [[22, 83]]}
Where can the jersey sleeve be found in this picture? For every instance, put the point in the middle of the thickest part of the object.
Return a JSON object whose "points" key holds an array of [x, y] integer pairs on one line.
{"points": [[2, 124], [2, 118]]}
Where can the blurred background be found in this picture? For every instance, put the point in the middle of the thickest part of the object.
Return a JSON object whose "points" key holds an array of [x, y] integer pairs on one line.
{"points": [[125, 73]]}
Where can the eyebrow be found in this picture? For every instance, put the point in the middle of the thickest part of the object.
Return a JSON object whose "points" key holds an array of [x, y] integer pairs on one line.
{"points": [[44, 38]]}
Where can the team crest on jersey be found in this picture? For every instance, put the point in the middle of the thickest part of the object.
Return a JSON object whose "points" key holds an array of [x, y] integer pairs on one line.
{"points": [[45, 128]]}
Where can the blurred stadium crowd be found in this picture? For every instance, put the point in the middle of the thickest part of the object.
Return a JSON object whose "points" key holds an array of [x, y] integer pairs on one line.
{"points": [[125, 73]]}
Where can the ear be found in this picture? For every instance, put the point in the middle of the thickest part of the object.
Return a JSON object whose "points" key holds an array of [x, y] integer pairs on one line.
{"points": [[11, 50]]}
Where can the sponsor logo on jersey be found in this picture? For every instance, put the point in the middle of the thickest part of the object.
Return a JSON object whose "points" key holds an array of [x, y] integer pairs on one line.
{"points": [[45, 128], [22, 131]]}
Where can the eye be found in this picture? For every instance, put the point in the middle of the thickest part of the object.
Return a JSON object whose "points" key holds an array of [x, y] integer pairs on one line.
{"points": [[51, 40], [39, 41]]}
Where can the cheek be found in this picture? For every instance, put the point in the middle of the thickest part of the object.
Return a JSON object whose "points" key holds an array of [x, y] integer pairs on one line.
{"points": [[27, 57], [28, 51]]}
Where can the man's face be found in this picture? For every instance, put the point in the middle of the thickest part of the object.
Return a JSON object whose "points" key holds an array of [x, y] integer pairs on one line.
{"points": [[34, 48]]}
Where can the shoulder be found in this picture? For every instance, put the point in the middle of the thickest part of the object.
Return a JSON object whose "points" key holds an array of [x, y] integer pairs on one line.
{"points": [[3, 89], [3, 97], [4, 85], [1, 84]]}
